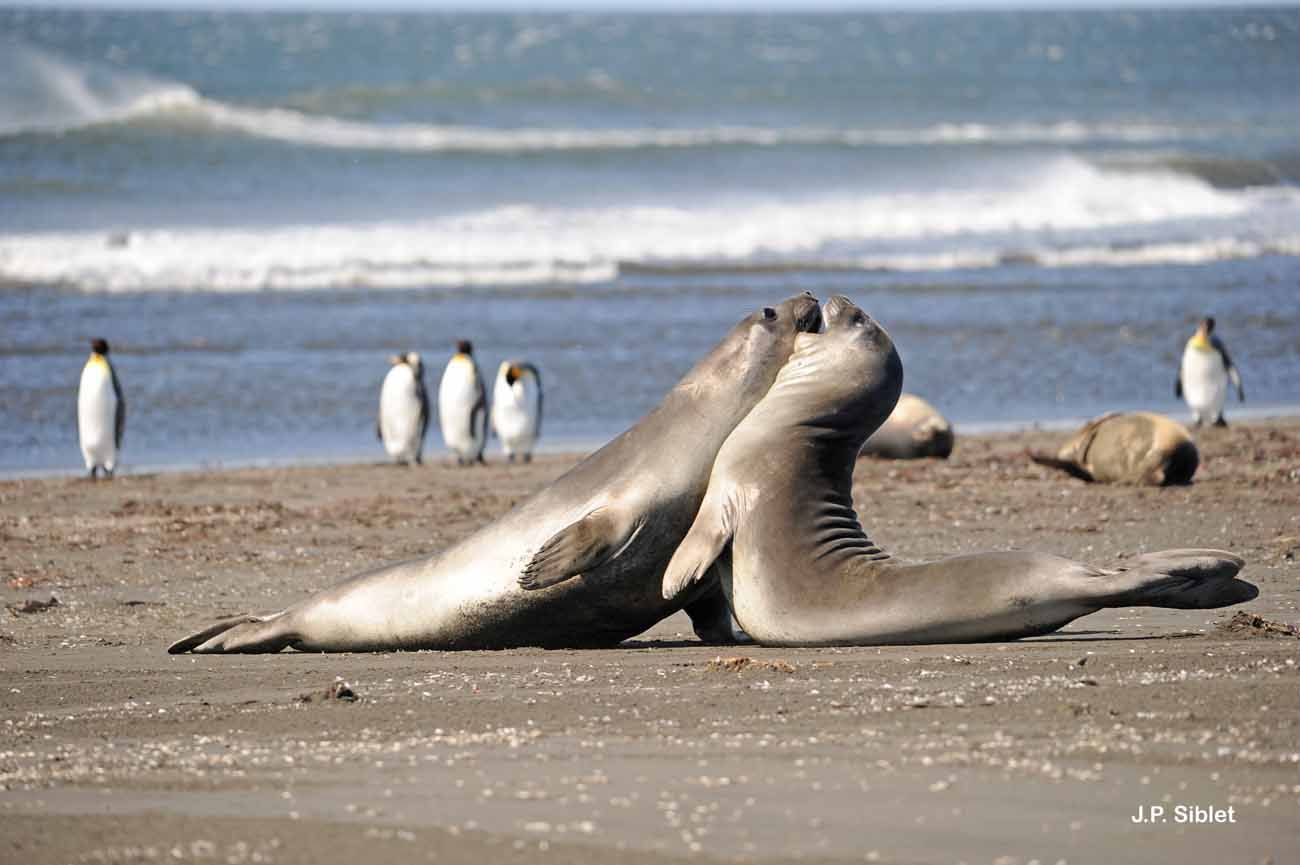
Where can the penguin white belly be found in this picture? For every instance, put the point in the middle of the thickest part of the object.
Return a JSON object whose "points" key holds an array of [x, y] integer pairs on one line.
{"points": [[463, 421], [97, 416], [399, 413], [514, 416], [1205, 383]]}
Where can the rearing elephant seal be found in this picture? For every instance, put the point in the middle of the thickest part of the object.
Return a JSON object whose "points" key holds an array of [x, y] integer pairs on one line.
{"points": [[914, 429], [617, 516], [1137, 448], [803, 572]]}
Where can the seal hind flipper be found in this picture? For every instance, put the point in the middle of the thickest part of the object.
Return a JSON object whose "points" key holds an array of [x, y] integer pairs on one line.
{"points": [[579, 547], [225, 630], [712, 530], [1181, 580], [1072, 468]]}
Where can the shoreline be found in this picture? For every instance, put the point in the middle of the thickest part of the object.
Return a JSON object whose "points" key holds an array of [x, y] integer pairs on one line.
{"points": [[572, 446], [659, 750]]}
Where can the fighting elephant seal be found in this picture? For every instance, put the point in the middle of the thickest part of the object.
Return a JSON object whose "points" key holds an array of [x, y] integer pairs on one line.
{"points": [[802, 571], [914, 429], [1136, 448], [614, 519]]}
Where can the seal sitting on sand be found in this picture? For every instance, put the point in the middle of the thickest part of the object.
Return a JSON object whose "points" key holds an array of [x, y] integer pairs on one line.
{"points": [[1136, 448], [801, 571], [605, 530]]}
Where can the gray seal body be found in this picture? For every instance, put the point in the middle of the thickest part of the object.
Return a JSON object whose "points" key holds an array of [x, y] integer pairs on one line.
{"points": [[799, 570], [578, 564]]}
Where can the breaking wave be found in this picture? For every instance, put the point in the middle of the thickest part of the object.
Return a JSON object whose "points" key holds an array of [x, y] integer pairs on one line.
{"points": [[45, 93], [1068, 214]]}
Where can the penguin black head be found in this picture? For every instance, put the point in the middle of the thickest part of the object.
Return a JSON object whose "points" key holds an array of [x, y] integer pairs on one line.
{"points": [[1208, 324], [99, 346], [464, 346]]}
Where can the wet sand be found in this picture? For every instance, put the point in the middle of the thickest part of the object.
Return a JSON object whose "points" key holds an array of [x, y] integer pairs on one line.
{"points": [[664, 749]]}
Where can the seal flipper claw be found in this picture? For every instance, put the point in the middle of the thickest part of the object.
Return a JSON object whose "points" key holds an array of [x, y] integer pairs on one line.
{"points": [[578, 547]]}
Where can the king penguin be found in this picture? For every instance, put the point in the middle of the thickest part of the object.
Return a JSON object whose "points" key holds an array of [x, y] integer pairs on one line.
{"points": [[101, 411], [517, 408], [403, 408], [1204, 375], [462, 406]]}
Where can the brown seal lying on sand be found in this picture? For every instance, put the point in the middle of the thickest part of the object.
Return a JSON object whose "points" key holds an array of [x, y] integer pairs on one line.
{"points": [[1135, 448]]}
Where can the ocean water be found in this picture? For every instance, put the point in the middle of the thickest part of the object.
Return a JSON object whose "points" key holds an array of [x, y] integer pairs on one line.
{"points": [[256, 209]]}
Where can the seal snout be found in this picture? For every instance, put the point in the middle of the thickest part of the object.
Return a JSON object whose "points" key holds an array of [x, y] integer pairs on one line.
{"points": [[808, 314], [840, 311]]}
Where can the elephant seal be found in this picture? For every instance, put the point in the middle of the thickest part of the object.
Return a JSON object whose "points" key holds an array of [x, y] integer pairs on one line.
{"points": [[1135, 448], [914, 429], [801, 570], [599, 536]]}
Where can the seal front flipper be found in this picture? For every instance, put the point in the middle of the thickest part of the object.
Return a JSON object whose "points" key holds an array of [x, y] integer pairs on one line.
{"points": [[712, 530], [579, 547]]}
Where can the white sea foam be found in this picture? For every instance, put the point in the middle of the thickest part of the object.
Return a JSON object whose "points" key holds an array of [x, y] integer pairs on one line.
{"points": [[1067, 214], [42, 92], [299, 128]]}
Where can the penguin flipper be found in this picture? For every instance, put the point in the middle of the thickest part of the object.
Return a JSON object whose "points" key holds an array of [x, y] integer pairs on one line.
{"points": [[1178, 385], [579, 547], [119, 419], [1229, 367]]}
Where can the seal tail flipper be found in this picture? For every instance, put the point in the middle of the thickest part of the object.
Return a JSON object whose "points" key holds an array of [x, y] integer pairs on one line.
{"points": [[578, 547], [1071, 468], [708, 537], [236, 634], [1181, 580]]}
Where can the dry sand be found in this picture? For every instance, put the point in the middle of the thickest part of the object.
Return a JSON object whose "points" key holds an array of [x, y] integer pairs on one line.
{"points": [[1038, 750]]}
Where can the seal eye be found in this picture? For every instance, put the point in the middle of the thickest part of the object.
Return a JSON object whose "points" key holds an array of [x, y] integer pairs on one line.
{"points": [[769, 314]]}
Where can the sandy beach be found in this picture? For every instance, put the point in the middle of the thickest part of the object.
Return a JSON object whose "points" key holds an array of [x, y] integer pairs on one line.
{"points": [[664, 749]]}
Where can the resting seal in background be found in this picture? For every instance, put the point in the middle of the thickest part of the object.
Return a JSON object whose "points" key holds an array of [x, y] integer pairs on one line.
{"points": [[914, 430], [613, 521], [1137, 448], [802, 572]]}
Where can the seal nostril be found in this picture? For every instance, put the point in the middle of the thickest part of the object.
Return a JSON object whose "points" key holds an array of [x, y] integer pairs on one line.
{"points": [[769, 313]]}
